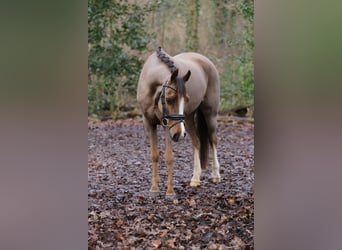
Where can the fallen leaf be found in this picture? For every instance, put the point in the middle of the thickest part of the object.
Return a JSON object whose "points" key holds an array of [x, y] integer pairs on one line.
{"points": [[231, 201], [119, 236], [156, 243], [237, 243], [170, 243], [104, 214]]}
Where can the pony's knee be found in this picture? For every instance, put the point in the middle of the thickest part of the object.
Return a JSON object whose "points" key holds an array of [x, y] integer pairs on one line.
{"points": [[168, 157], [169, 161], [154, 157]]}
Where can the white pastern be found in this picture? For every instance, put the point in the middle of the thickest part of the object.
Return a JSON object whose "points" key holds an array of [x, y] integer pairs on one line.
{"points": [[181, 112], [216, 167], [195, 180]]}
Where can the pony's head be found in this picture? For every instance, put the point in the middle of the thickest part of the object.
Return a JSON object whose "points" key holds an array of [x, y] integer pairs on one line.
{"points": [[173, 97]]}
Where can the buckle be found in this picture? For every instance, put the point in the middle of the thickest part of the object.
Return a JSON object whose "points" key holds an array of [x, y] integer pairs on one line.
{"points": [[165, 121]]}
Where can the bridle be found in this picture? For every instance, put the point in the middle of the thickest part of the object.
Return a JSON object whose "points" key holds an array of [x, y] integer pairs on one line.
{"points": [[166, 117]]}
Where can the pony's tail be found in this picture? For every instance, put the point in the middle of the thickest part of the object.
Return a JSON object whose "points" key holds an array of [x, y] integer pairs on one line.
{"points": [[202, 131]]}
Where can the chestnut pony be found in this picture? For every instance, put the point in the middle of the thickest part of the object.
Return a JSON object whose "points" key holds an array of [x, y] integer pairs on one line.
{"points": [[182, 94]]}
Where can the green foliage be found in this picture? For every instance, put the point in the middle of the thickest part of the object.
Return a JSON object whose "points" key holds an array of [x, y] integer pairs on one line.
{"points": [[237, 87], [246, 7], [221, 23], [237, 81], [116, 38]]}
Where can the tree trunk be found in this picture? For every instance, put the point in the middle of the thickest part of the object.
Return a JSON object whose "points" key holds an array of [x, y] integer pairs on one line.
{"points": [[192, 18]]}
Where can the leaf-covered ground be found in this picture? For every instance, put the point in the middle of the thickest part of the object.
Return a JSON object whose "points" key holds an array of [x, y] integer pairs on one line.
{"points": [[123, 215]]}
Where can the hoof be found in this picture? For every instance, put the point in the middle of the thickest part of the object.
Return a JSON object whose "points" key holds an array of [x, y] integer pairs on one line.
{"points": [[154, 192], [170, 195], [195, 183], [216, 179]]}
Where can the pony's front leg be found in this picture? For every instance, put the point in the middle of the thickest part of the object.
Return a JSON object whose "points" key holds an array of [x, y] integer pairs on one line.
{"points": [[191, 129], [152, 132], [169, 163]]}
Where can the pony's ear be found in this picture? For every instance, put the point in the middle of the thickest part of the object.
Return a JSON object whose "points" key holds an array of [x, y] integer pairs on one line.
{"points": [[187, 76], [174, 75]]}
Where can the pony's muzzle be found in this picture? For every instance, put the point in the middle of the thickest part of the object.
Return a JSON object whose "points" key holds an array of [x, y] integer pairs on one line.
{"points": [[175, 137], [177, 132]]}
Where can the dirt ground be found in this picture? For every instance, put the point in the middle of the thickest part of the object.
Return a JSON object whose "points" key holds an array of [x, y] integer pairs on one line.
{"points": [[123, 215]]}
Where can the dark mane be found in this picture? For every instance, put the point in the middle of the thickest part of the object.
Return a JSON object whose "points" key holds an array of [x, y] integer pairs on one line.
{"points": [[165, 59], [171, 65]]}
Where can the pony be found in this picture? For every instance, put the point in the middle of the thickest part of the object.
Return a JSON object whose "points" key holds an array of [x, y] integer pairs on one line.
{"points": [[182, 94]]}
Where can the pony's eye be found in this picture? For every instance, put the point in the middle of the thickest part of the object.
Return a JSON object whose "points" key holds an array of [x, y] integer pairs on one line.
{"points": [[170, 100]]}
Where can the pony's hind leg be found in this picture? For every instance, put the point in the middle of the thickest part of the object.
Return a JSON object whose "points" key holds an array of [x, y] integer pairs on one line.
{"points": [[216, 166], [196, 177], [212, 127], [211, 120]]}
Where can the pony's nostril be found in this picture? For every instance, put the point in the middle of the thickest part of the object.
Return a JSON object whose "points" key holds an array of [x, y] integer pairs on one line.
{"points": [[175, 137]]}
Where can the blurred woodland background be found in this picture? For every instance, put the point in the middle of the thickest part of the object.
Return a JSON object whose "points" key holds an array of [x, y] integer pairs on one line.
{"points": [[122, 34]]}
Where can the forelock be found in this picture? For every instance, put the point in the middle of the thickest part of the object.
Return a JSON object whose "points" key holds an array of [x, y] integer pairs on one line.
{"points": [[180, 86]]}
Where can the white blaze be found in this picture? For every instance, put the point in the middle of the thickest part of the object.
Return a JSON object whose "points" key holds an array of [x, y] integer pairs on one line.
{"points": [[181, 112]]}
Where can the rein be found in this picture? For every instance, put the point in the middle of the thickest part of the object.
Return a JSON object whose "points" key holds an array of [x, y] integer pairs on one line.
{"points": [[166, 117]]}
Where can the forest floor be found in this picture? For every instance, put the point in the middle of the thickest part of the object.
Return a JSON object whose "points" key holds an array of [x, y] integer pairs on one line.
{"points": [[123, 215]]}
